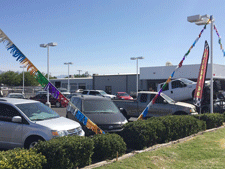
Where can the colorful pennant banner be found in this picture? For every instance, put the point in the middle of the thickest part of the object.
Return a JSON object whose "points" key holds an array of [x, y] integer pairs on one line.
{"points": [[219, 41], [45, 83], [145, 112]]}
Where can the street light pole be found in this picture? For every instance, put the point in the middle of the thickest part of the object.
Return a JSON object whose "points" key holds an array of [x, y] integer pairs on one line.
{"points": [[68, 63], [47, 46], [202, 20], [136, 58], [23, 76]]}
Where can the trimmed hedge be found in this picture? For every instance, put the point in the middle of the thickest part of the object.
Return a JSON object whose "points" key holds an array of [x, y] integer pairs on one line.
{"points": [[66, 152], [106, 146], [140, 134], [22, 159], [212, 119]]}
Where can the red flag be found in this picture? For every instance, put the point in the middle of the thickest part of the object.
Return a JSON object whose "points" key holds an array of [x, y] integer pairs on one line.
{"points": [[201, 76]]}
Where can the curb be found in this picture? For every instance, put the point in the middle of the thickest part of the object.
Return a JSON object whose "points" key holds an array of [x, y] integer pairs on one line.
{"points": [[152, 148]]}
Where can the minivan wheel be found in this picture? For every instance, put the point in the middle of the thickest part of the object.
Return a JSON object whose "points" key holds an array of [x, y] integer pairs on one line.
{"points": [[58, 104], [32, 141]]}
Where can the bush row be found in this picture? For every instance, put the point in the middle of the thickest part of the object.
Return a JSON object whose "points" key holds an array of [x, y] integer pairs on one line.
{"points": [[212, 119], [64, 152], [22, 159], [75, 151], [140, 134]]}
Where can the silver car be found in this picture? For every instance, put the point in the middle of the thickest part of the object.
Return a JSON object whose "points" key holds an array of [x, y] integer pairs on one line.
{"points": [[23, 122]]}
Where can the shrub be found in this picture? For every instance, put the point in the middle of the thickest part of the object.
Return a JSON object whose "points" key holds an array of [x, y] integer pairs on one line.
{"points": [[106, 146], [22, 159], [142, 133], [180, 126], [212, 119], [66, 152]]}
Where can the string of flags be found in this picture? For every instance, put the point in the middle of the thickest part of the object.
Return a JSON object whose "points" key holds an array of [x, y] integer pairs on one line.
{"points": [[145, 112], [219, 41], [10, 46]]}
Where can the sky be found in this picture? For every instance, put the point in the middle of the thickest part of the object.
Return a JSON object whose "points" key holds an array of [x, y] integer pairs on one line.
{"points": [[100, 36]]}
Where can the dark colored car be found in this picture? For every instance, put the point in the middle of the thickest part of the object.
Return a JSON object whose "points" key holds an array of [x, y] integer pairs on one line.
{"points": [[43, 99], [102, 111]]}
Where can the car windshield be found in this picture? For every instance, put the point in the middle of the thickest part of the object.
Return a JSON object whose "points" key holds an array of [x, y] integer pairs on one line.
{"points": [[102, 92], [187, 81], [99, 106], [37, 111], [123, 94], [16, 96], [167, 98]]}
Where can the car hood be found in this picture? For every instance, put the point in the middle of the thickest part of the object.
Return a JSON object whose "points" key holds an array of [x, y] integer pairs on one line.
{"points": [[60, 123], [107, 118], [184, 104], [110, 95]]}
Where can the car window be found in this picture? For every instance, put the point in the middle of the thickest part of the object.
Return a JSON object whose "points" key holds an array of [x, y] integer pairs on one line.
{"points": [[165, 88], [7, 112], [143, 98], [37, 111], [93, 93], [77, 102], [99, 106], [159, 100], [84, 92], [177, 84]]}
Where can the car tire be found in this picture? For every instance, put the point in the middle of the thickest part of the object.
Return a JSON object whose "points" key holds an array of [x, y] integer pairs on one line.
{"points": [[32, 141], [57, 104]]}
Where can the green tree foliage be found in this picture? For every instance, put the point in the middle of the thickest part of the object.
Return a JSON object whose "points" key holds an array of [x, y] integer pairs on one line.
{"points": [[11, 78]]}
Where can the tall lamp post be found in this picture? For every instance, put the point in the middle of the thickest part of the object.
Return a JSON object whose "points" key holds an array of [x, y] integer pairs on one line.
{"points": [[136, 58], [23, 76], [68, 63], [47, 46], [202, 20]]}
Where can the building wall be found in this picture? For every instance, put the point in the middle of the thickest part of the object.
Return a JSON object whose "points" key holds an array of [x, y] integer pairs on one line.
{"points": [[118, 83], [75, 83]]}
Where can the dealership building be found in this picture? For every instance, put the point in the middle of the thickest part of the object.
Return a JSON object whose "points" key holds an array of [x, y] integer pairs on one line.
{"points": [[149, 78]]}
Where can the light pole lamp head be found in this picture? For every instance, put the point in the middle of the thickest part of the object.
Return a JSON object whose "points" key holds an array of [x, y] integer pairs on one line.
{"points": [[43, 45], [52, 44], [140, 57], [133, 58], [198, 19]]}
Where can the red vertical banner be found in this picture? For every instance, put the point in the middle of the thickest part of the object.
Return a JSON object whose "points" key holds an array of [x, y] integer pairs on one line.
{"points": [[201, 76]]}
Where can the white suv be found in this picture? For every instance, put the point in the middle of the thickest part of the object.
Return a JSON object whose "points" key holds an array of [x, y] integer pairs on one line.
{"points": [[23, 122], [98, 93]]}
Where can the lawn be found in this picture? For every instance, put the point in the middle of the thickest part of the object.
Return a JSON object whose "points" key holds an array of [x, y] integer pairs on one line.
{"points": [[202, 151]]}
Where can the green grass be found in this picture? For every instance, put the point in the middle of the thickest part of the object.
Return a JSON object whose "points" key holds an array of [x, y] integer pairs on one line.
{"points": [[202, 151]]}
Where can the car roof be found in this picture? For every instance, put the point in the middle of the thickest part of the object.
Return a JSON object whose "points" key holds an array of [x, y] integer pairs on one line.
{"points": [[148, 92], [16, 101], [15, 94], [90, 97]]}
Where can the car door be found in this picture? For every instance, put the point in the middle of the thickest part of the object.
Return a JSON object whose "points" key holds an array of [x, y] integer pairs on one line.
{"points": [[178, 90], [10, 132], [160, 108]]}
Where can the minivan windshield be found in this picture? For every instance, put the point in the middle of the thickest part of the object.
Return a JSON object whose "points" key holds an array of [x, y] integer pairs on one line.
{"points": [[37, 111], [167, 98], [99, 106]]}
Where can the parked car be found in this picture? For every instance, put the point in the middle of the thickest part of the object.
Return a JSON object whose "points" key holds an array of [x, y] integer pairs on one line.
{"points": [[102, 111], [16, 95], [164, 105], [180, 89], [43, 99], [23, 122], [98, 93], [123, 96]]}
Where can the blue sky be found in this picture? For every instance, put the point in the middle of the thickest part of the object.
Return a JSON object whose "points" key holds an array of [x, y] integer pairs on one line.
{"points": [[100, 36]]}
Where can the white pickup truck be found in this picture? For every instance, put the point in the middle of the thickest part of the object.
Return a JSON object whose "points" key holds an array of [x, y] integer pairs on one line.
{"points": [[179, 89]]}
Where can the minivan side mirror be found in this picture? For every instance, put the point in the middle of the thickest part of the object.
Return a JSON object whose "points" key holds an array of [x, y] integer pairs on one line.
{"points": [[16, 119]]}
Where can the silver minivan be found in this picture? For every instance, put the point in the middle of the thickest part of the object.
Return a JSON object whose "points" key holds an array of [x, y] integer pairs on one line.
{"points": [[23, 122]]}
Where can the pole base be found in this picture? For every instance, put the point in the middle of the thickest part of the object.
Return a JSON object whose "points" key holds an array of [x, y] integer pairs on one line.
{"points": [[48, 104]]}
